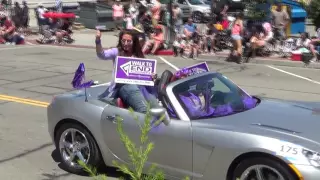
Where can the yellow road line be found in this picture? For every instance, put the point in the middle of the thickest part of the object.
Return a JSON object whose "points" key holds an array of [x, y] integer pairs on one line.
{"points": [[23, 101]]}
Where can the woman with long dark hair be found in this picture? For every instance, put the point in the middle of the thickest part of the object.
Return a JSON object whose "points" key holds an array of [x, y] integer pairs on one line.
{"points": [[131, 94]]}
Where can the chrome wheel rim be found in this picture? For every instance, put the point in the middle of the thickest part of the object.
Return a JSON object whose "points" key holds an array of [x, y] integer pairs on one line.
{"points": [[74, 146], [261, 172]]}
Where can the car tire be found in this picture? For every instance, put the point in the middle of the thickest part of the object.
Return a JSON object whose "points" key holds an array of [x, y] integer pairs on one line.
{"points": [[281, 168], [95, 158], [197, 17]]}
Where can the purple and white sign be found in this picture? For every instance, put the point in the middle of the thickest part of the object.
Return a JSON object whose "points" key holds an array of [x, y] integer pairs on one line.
{"points": [[135, 71], [197, 68]]}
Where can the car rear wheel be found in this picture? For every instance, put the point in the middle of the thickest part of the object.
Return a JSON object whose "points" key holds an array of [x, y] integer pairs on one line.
{"points": [[262, 169], [75, 143]]}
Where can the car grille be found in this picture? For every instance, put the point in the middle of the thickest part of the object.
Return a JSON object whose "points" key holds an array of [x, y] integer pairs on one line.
{"points": [[186, 11]]}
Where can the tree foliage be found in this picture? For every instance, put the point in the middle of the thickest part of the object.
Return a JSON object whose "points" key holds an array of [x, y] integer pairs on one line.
{"points": [[92, 171], [314, 12], [138, 154], [257, 9]]}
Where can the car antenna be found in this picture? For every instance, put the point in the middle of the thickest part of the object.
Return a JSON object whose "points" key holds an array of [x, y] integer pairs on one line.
{"points": [[85, 93]]}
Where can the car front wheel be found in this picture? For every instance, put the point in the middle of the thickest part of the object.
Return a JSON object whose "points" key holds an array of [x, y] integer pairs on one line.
{"points": [[262, 168], [75, 143], [197, 17]]}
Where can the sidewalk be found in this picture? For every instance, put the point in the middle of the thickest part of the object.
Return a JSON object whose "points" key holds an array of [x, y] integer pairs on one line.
{"points": [[85, 39]]}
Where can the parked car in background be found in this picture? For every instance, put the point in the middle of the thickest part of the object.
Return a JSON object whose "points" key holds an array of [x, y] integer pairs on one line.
{"points": [[235, 6], [186, 11], [199, 10]]}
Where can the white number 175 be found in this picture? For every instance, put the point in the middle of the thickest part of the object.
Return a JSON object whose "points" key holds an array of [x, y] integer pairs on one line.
{"points": [[289, 149]]}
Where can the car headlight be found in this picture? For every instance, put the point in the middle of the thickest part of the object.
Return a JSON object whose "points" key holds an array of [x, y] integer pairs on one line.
{"points": [[313, 157], [207, 11]]}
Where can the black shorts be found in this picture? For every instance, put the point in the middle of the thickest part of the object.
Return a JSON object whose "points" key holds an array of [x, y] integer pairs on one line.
{"points": [[25, 22]]}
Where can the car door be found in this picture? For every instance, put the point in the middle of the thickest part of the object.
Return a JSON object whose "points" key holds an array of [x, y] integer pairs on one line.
{"points": [[173, 143]]}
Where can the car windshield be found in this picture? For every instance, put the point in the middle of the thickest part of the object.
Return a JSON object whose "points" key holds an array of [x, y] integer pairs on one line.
{"points": [[212, 95], [195, 2]]}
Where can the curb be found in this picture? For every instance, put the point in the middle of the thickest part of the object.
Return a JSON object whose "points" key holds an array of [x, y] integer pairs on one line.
{"points": [[34, 42], [220, 60]]}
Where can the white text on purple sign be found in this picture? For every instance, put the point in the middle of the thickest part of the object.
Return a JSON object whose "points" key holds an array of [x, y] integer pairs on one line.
{"points": [[140, 67]]}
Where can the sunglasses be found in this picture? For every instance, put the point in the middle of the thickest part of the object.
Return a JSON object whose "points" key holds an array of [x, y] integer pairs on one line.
{"points": [[123, 41]]}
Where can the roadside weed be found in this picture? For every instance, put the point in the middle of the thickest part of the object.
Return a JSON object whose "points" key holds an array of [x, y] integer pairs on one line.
{"points": [[137, 153]]}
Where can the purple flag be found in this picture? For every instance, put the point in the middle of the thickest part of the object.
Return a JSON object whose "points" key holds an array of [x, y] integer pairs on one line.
{"points": [[79, 77]]}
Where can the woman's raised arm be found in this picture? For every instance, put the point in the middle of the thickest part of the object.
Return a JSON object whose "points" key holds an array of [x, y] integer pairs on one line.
{"points": [[108, 54]]}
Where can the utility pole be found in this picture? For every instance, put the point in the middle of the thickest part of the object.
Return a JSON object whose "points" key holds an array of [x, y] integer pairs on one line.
{"points": [[171, 23]]}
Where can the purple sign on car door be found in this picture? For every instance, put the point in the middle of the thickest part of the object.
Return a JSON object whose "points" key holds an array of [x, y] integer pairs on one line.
{"points": [[135, 70]]}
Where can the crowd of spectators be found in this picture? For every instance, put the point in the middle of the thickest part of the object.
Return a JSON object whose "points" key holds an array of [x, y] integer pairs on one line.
{"points": [[152, 17], [13, 22]]}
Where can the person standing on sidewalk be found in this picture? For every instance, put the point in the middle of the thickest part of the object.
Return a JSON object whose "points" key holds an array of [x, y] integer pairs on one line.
{"points": [[59, 6], [41, 10], [25, 16], [236, 35], [133, 10], [177, 18], [17, 16], [280, 20], [118, 14], [156, 10]]}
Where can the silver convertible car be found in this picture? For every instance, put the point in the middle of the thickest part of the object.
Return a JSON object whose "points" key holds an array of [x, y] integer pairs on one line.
{"points": [[214, 131]]}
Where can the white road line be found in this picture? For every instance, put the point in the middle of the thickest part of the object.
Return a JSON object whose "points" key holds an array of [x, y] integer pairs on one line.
{"points": [[295, 75], [168, 63]]}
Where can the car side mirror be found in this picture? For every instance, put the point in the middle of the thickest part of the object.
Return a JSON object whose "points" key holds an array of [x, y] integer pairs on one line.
{"points": [[158, 112]]}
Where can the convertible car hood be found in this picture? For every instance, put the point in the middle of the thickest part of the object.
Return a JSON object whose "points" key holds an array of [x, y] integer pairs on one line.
{"points": [[290, 117], [280, 117]]}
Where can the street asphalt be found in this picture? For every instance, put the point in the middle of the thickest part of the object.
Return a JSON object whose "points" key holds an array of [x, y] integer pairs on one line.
{"points": [[39, 72]]}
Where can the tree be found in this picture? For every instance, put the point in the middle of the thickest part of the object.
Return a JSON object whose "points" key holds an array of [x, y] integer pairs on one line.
{"points": [[314, 12], [257, 9], [139, 155]]}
